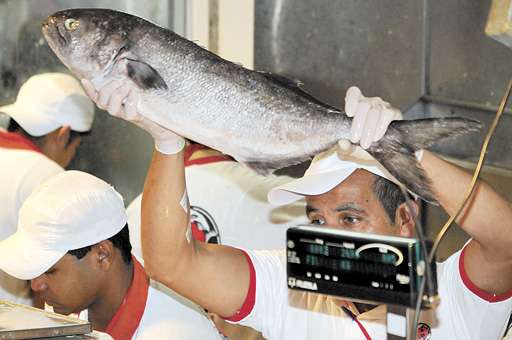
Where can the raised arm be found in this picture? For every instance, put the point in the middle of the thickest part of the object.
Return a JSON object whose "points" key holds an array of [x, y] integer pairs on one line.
{"points": [[487, 217], [214, 276]]}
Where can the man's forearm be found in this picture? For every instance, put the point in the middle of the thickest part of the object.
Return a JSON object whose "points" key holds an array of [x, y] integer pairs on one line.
{"points": [[487, 216], [164, 221]]}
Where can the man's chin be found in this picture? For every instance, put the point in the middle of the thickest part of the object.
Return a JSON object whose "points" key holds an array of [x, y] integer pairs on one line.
{"points": [[364, 307], [361, 307], [60, 309]]}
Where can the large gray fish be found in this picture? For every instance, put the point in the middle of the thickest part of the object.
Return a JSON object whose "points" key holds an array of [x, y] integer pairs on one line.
{"points": [[262, 120]]}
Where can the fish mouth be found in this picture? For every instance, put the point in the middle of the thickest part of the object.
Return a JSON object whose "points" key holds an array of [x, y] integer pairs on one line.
{"points": [[51, 28]]}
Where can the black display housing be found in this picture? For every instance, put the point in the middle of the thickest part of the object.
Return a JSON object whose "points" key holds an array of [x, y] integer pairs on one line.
{"points": [[357, 266]]}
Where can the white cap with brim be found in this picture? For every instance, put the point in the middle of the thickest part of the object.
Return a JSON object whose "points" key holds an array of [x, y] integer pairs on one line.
{"points": [[69, 211], [326, 171], [48, 101]]}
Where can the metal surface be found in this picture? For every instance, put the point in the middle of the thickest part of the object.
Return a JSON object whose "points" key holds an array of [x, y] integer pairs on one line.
{"points": [[25, 322], [114, 151], [330, 45], [465, 63]]}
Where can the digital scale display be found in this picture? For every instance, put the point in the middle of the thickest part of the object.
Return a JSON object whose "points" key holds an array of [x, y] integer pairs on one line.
{"points": [[361, 266]]}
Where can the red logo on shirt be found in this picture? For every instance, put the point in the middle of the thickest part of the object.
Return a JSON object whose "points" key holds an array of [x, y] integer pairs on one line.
{"points": [[204, 228], [424, 332]]}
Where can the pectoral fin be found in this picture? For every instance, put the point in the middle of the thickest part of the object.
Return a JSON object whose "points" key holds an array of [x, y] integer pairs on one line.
{"points": [[265, 168], [145, 76]]}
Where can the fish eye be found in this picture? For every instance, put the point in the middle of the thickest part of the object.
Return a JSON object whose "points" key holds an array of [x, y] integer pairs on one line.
{"points": [[71, 24]]}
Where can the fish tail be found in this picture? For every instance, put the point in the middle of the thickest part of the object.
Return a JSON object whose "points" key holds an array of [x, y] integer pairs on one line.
{"points": [[396, 151]]}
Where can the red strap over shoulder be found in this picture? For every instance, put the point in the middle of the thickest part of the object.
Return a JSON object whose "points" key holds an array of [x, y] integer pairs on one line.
{"points": [[12, 140], [190, 149], [127, 318]]}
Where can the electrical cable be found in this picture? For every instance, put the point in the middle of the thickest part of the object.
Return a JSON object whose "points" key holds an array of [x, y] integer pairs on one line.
{"points": [[476, 173], [427, 277]]}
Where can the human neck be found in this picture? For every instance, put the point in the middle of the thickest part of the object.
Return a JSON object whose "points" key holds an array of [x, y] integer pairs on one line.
{"points": [[355, 307], [111, 295]]}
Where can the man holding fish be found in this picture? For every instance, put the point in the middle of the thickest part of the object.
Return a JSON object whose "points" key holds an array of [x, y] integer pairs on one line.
{"points": [[343, 190]]}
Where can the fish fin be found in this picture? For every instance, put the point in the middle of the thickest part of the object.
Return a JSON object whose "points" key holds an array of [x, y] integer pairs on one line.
{"points": [[295, 86], [281, 79], [260, 168], [145, 76], [267, 168], [396, 150]]}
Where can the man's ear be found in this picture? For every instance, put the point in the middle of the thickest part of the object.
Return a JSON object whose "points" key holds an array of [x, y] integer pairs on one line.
{"points": [[104, 254], [63, 135], [405, 219]]}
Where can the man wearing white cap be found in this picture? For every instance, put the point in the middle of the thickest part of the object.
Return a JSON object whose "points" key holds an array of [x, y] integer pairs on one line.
{"points": [[249, 287], [73, 244], [50, 112]]}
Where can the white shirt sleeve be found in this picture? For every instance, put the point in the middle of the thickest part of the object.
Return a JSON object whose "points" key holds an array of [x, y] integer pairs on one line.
{"points": [[271, 294], [465, 311]]}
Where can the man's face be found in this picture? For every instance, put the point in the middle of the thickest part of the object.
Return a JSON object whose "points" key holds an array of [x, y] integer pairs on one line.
{"points": [[70, 286], [351, 205], [60, 145]]}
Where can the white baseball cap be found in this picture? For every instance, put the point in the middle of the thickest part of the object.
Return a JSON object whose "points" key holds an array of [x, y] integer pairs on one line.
{"points": [[69, 211], [326, 171], [48, 101]]}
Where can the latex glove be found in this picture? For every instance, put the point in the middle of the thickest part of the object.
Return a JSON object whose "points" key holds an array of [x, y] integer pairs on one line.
{"points": [[371, 117], [351, 152], [120, 98]]}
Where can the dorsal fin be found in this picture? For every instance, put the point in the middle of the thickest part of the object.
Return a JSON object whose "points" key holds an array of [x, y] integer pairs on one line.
{"points": [[295, 86]]}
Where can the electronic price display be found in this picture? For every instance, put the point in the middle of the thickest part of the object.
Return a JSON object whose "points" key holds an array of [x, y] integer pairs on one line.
{"points": [[357, 266]]}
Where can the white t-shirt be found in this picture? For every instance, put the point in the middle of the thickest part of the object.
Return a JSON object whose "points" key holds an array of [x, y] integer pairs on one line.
{"points": [[465, 312], [20, 172], [229, 201], [171, 318]]}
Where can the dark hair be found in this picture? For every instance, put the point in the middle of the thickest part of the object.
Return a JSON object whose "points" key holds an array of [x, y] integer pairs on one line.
{"points": [[121, 241], [389, 195], [15, 127]]}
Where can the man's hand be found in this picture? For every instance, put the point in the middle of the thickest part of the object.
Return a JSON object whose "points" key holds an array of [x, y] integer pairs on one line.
{"points": [[120, 99], [371, 118]]}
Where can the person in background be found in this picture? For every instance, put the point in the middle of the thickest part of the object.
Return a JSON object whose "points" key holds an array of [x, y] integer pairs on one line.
{"points": [[72, 243], [249, 287], [50, 113]]}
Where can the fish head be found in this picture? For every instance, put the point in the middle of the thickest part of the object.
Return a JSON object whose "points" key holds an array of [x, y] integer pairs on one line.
{"points": [[90, 41]]}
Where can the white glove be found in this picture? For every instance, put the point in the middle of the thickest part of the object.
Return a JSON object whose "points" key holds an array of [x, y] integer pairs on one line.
{"points": [[120, 98], [371, 118]]}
